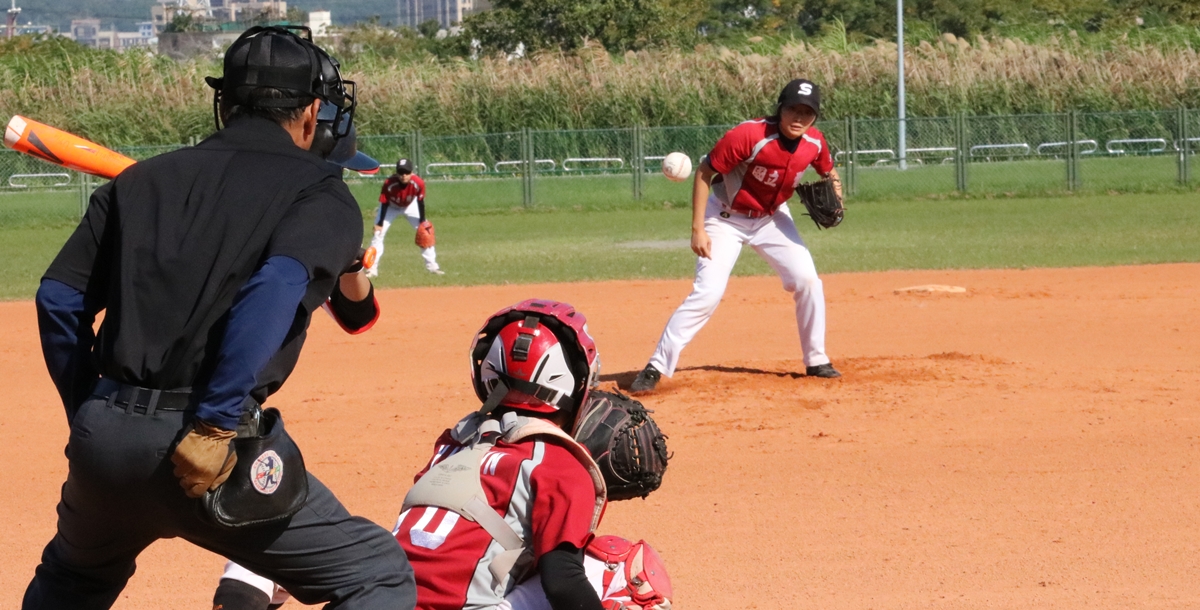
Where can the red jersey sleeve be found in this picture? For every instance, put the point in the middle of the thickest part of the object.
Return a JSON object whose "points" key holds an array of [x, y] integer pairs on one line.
{"points": [[420, 187], [733, 147], [563, 501], [383, 192], [824, 161]]}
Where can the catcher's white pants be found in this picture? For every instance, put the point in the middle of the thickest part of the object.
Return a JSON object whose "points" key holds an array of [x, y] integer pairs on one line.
{"points": [[384, 219], [528, 595], [774, 238], [234, 571]]}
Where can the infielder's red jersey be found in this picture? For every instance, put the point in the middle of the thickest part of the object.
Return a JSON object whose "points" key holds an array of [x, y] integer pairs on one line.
{"points": [[395, 192], [758, 174], [540, 489]]}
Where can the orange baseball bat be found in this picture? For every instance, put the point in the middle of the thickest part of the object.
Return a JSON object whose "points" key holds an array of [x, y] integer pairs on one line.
{"points": [[63, 149]]}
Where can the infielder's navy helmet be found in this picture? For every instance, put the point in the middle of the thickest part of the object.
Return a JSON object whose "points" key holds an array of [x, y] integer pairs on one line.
{"points": [[800, 91]]}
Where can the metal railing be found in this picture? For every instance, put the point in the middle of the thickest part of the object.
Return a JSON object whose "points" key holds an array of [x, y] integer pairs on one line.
{"points": [[1034, 154]]}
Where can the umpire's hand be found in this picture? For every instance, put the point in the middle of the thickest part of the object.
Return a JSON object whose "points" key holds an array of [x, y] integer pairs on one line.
{"points": [[203, 459]]}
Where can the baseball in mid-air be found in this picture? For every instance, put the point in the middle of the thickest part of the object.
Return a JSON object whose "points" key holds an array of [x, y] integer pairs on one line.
{"points": [[677, 167]]}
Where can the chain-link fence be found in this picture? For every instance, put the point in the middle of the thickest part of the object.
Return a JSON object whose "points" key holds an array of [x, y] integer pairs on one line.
{"points": [[1021, 154]]}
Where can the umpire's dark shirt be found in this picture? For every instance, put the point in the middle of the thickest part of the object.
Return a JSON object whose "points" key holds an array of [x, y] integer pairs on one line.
{"points": [[166, 245]]}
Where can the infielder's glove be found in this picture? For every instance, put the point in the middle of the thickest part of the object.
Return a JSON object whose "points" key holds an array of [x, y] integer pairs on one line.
{"points": [[425, 237], [822, 201], [627, 445]]}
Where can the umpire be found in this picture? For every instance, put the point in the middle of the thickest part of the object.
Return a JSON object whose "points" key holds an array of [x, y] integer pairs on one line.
{"points": [[207, 263]]}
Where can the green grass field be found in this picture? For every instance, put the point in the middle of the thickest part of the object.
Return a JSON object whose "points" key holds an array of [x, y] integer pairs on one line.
{"points": [[591, 235]]}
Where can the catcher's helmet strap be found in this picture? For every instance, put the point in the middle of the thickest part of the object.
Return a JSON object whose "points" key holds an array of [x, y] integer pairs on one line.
{"points": [[507, 382], [499, 391]]}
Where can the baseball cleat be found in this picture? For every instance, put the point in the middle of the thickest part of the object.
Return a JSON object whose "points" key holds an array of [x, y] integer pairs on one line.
{"points": [[822, 370], [436, 271], [646, 380]]}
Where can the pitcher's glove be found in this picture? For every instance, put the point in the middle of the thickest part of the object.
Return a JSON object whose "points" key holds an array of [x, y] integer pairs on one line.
{"points": [[627, 445], [822, 201], [425, 237]]}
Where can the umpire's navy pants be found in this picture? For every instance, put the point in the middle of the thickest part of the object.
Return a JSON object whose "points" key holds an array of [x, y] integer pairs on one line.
{"points": [[120, 496]]}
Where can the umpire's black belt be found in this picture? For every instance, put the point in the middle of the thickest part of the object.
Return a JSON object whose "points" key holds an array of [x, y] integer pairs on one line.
{"points": [[132, 399]]}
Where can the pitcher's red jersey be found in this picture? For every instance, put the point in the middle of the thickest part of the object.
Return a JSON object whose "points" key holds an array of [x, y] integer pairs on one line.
{"points": [[758, 172]]}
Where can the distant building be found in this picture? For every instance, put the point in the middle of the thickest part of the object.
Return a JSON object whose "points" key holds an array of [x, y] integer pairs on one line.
{"points": [[225, 11], [30, 28], [85, 31], [216, 11], [165, 11], [447, 13], [319, 22], [89, 32]]}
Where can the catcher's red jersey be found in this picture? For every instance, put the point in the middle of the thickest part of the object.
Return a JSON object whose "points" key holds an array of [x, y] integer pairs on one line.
{"points": [[539, 488], [758, 174], [395, 192]]}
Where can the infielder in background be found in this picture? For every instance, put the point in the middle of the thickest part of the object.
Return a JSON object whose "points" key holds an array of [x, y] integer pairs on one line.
{"points": [[739, 197], [404, 193]]}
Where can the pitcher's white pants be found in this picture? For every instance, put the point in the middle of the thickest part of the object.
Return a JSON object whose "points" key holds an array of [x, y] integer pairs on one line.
{"points": [[384, 219], [776, 239]]}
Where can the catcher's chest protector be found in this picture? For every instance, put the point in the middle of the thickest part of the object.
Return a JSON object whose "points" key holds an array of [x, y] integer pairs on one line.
{"points": [[637, 567], [453, 483]]}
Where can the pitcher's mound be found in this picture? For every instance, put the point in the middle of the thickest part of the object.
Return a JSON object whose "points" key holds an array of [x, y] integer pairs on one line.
{"points": [[932, 288]]}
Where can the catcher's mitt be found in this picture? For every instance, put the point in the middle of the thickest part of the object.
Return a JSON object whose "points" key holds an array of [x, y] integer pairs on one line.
{"points": [[425, 237], [822, 201], [627, 445]]}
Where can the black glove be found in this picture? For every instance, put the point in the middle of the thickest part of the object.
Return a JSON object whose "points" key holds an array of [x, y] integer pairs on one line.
{"points": [[627, 445], [822, 201]]}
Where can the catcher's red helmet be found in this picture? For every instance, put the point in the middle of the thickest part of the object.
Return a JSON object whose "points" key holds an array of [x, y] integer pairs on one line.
{"points": [[539, 354]]}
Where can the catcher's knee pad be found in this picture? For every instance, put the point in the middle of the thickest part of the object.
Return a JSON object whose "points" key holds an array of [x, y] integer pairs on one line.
{"points": [[638, 566]]}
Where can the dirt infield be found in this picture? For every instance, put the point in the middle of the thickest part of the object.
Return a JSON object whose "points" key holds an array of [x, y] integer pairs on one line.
{"points": [[1030, 443]]}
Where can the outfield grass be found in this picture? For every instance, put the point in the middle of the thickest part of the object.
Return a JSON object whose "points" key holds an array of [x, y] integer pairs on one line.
{"points": [[952, 234], [590, 237]]}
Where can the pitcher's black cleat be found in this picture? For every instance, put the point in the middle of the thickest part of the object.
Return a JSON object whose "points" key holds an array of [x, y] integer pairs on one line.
{"points": [[646, 380], [821, 370]]}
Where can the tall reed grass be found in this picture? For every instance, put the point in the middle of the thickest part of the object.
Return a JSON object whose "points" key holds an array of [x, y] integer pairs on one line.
{"points": [[135, 98]]}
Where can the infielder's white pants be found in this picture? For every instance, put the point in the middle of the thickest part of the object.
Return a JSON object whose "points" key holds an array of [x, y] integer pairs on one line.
{"points": [[384, 219], [776, 239]]}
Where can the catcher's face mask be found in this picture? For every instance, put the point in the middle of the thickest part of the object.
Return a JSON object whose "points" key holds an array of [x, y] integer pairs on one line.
{"points": [[537, 356]]}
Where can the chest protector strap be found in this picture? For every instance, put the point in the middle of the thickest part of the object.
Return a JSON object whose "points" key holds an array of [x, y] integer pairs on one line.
{"points": [[453, 483]]}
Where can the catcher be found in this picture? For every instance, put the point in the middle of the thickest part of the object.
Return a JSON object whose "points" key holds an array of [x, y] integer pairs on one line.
{"points": [[504, 513], [404, 193], [739, 198]]}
